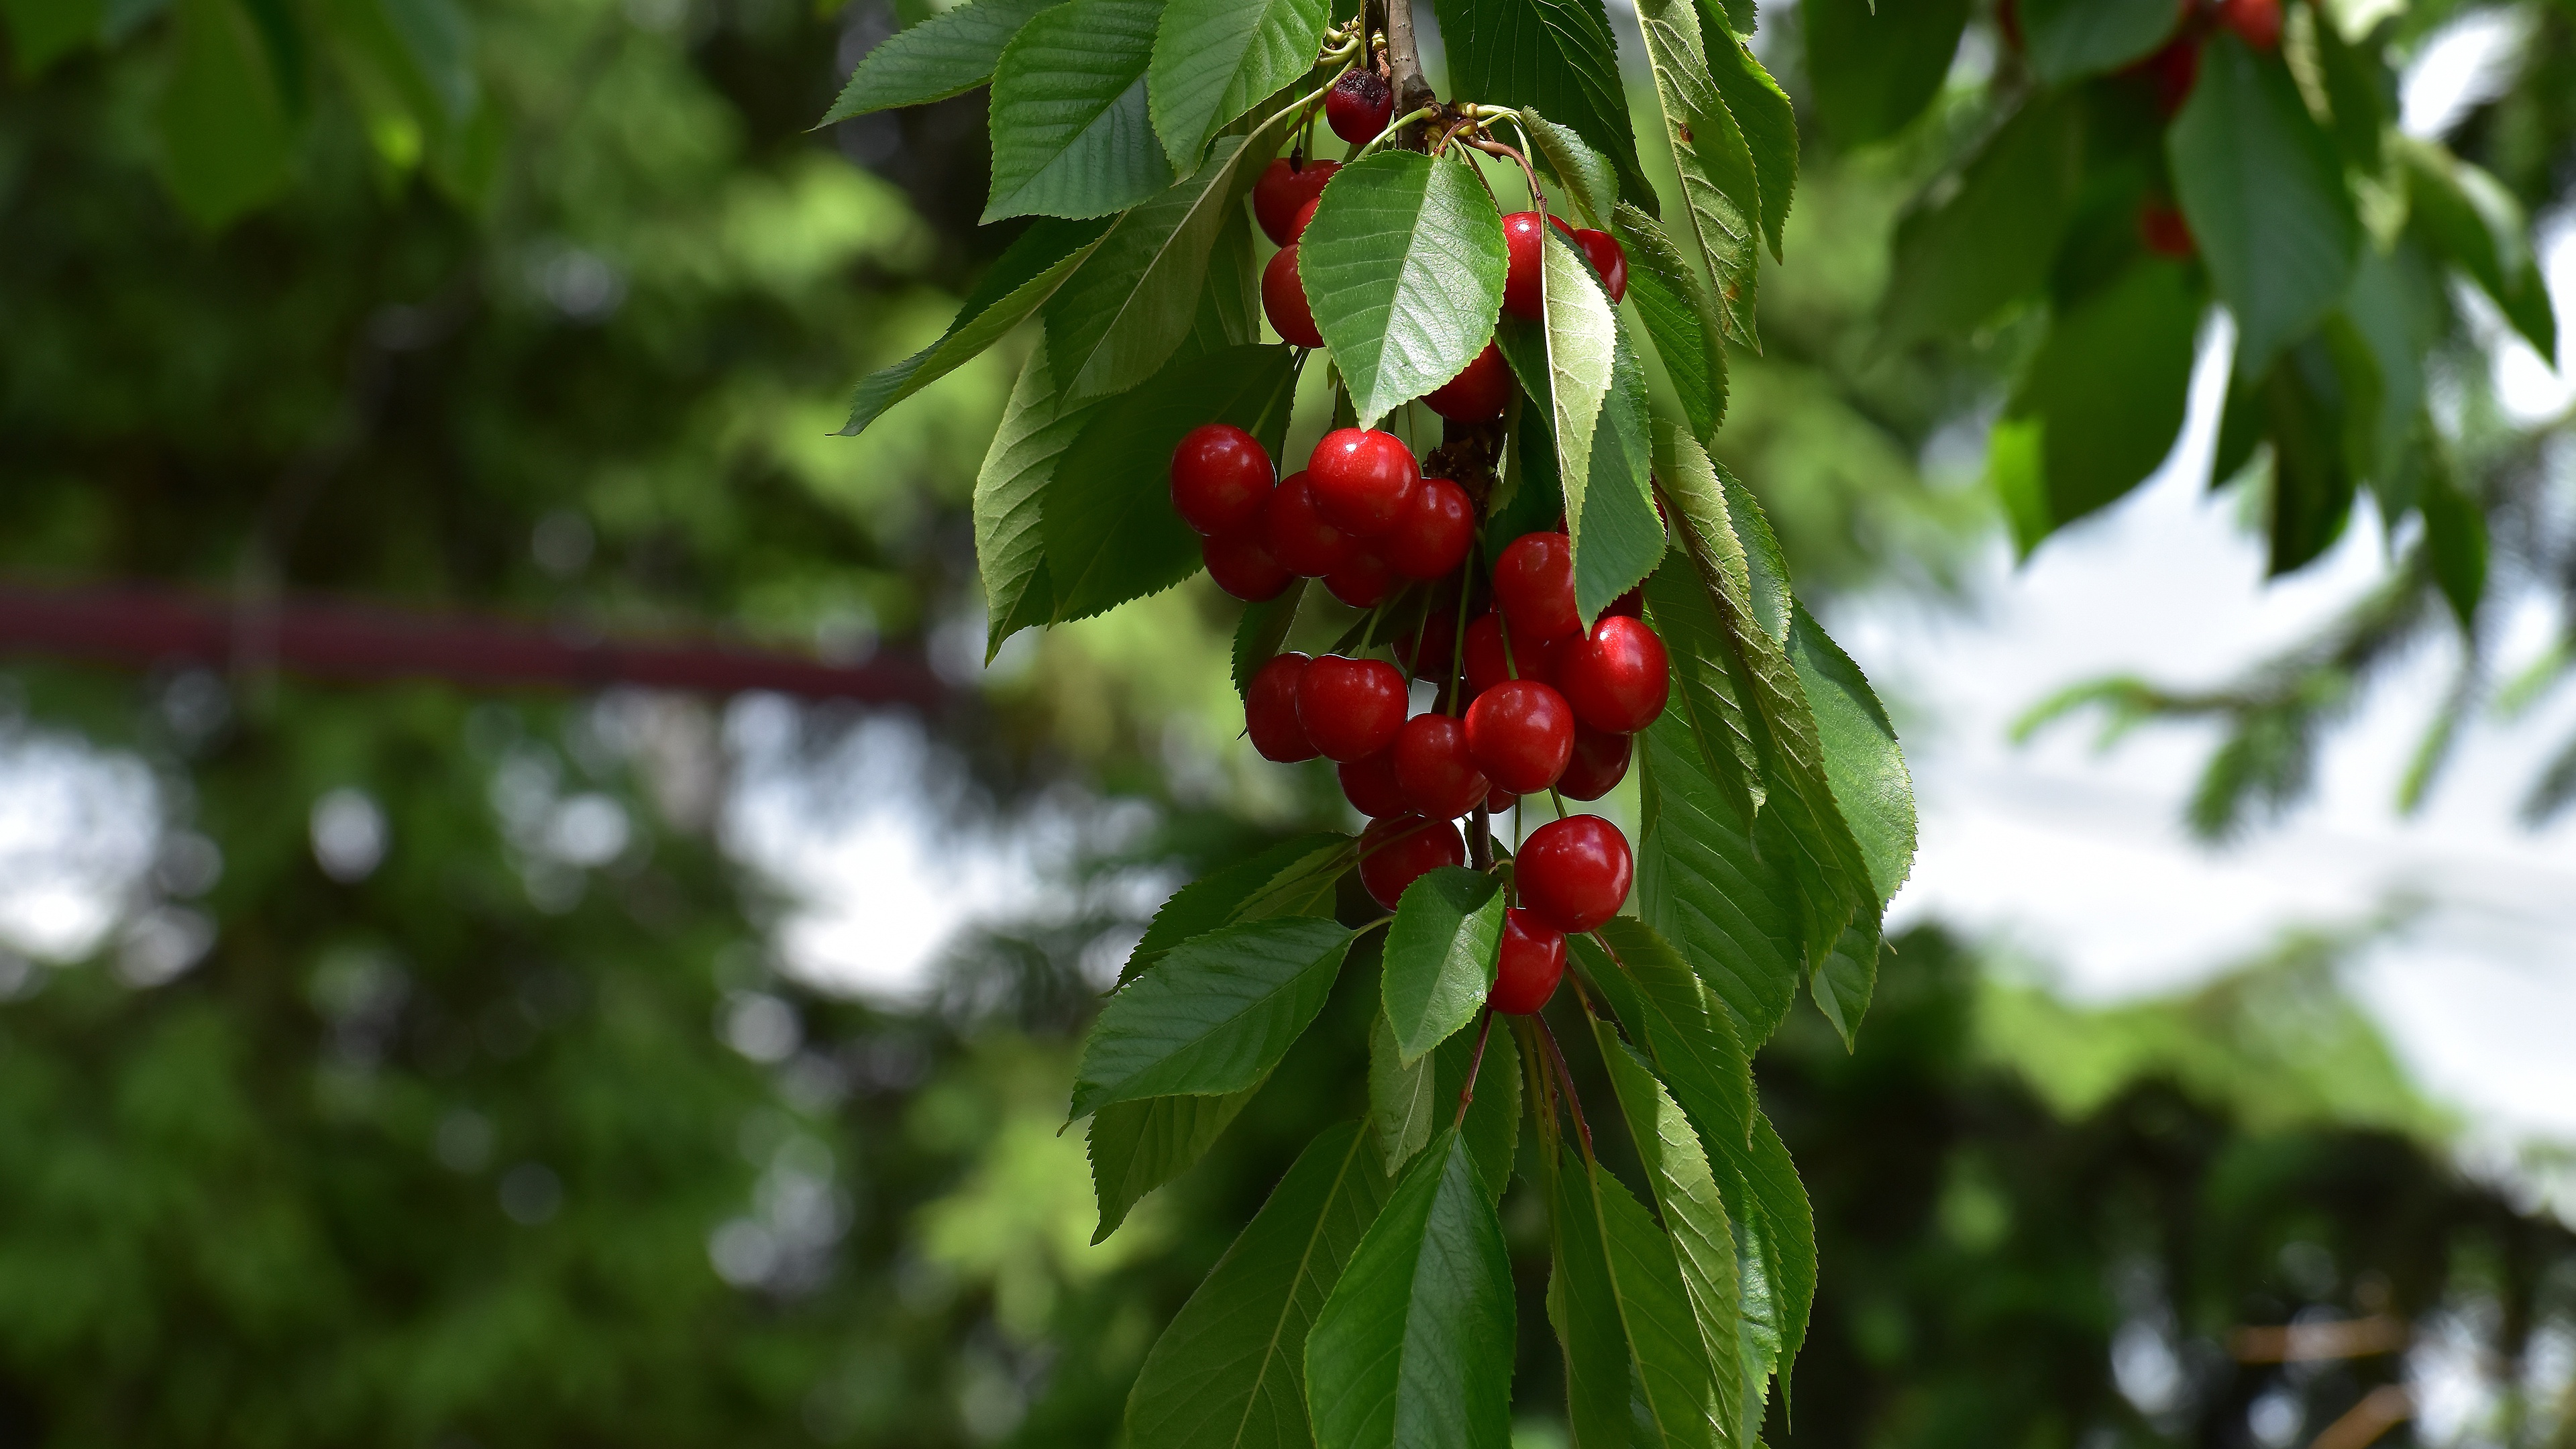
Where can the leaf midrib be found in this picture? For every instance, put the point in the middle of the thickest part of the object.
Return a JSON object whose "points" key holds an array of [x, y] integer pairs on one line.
{"points": [[1305, 1256]]}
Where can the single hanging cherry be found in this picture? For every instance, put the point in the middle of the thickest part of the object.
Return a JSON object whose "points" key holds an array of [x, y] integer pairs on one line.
{"points": [[1575, 873], [1285, 186], [1534, 586], [1370, 785], [1363, 479], [1360, 105], [1283, 300], [1432, 767], [1350, 708], [1520, 733], [1396, 852], [1270, 710], [1530, 965], [1618, 677], [1221, 476]]}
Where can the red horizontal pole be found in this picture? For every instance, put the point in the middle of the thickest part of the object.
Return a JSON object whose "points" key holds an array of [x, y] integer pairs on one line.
{"points": [[150, 627]]}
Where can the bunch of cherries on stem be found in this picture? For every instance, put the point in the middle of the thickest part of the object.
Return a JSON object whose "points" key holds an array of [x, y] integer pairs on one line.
{"points": [[1533, 701]]}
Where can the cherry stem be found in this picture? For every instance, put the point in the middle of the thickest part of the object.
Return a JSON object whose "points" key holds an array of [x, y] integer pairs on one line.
{"points": [[1475, 1064], [1398, 124], [1565, 1073], [1538, 198], [1458, 640], [1557, 800]]}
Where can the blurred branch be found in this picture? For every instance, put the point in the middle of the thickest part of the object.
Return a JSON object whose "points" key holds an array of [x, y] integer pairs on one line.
{"points": [[2310, 1342]]}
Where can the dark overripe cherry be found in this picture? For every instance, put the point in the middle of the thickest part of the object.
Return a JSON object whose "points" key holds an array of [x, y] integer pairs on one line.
{"points": [[1283, 188], [1532, 962], [1432, 767], [1396, 852], [1534, 586], [1618, 677], [1598, 764], [1351, 708], [1300, 539], [1283, 300], [1432, 532], [1520, 733], [1364, 580], [1370, 785], [1480, 391], [1270, 710], [1363, 479], [1221, 476], [1575, 873], [1242, 565], [1360, 105]]}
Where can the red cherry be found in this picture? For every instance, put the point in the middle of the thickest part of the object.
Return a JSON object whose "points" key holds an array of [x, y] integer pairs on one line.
{"points": [[1487, 664], [1220, 478], [1522, 253], [1396, 852], [1300, 539], [1520, 733], [1439, 780], [1363, 581], [1631, 604], [2162, 227], [1362, 480], [1305, 216], [1431, 534], [2172, 72], [1241, 564], [1270, 710], [1618, 678], [1283, 188], [1531, 963], [1478, 393], [1428, 649], [1599, 763], [2256, 22], [1350, 708], [1498, 800], [1608, 258], [1283, 300], [1359, 107], [1370, 785], [1534, 586], [1575, 873]]}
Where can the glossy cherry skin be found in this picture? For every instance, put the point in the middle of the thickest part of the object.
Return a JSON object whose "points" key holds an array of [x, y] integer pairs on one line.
{"points": [[2256, 22], [1478, 394], [1396, 852], [1370, 785], [1284, 186], [1242, 565], [1300, 539], [1305, 216], [1520, 733], [1270, 710], [1534, 586], [1531, 964], [1618, 678], [1283, 300], [1608, 258], [1360, 105], [1364, 580], [1220, 478], [1522, 253], [1575, 873], [1498, 800], [1428, 650], [1432, 767], [1363, 480], [1431, 535], [1350, 708], [1599, 763], [1488, 665]]}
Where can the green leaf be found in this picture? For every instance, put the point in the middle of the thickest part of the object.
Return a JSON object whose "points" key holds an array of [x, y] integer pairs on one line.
{"points": [[44, 31], [1213, 1016], [2455, 536], [1293, 878], [2308, 398], [1132, 305], [1664, 1004], [1136, 1147], [951, 53], [1721, 187], [1440, 956], [2475, 224], [1216, 59], [1403, 264], [2109, 387], [1261, 630], [1024, 276], [2070, 39], [2264, 192], [1230, 1371], [1111, 534], [2394, 309], [1010, 553], [1862, 759], [1985, 238], [1229, 313], [1581, 336], [1694, 1211], [1071, 136], [1404, 1097], [1875, 67], [226, 139], [1414, 1347], [1761, 110], [1494, 1115], [1843, 982], [1635, 1368], [2357, 86], [1679, 318], [1590, 180], [1616, 538], [1556, 55], [1775, 1241]]}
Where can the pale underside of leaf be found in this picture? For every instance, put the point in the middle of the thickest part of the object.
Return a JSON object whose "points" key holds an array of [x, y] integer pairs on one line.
{"points": [[1009, 550], [1582, 343]]}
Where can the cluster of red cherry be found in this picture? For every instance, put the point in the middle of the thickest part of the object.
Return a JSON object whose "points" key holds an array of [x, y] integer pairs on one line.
{"points": [[1532, 701]]}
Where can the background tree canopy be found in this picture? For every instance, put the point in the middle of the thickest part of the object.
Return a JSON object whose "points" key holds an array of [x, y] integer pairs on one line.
{"points": [[441, 1080]]}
